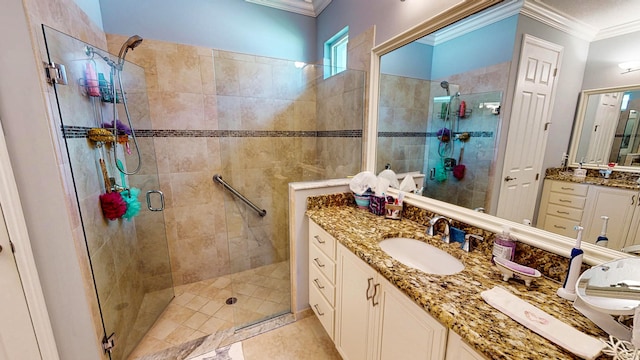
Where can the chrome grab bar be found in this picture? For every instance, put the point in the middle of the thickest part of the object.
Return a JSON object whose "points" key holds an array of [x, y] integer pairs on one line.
{"points": [[217, 178]]}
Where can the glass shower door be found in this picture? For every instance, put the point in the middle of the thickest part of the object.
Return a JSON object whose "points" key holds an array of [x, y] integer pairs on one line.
{"points": [[128, 254]]}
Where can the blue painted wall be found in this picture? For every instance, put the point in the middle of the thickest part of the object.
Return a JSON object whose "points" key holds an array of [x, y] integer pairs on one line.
{"points": [[232, 25], [490, 45], [412, 60]]}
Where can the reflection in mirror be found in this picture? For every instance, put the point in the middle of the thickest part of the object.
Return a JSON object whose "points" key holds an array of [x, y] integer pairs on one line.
{"points": [[476, 60], [439, 110], [607, 128]]}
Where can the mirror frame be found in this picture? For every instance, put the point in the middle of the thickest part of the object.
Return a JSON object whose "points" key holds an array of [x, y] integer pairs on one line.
{"points": [[554, 243], [578, 124]]}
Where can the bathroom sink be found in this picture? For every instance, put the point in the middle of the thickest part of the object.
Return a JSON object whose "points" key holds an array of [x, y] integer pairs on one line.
{"points": [[422, 256]]}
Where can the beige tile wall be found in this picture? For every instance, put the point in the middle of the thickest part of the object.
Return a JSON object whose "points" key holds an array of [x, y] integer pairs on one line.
{"points": [[211, 233]]}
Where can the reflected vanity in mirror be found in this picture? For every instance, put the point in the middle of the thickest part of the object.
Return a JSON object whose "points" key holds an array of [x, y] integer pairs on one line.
{"points": [[606, 129]]}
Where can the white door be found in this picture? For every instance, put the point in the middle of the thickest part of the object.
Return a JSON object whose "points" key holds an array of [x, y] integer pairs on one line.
{"points": [[604, 128], [527, 137], [17, 336]]}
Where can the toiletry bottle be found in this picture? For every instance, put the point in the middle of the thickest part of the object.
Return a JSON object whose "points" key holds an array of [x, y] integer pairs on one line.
{"points": [[504, 245]]}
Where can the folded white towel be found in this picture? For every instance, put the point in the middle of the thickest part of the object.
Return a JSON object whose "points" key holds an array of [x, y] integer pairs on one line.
{"points": [[538, 321]]}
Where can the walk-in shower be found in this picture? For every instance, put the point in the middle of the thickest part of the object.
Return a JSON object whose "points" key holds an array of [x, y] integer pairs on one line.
{"points": [[208, 263]]}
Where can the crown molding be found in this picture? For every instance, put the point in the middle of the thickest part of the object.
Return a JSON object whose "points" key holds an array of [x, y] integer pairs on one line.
{"points": [[311, 8], [560, 21], [534, 9], [474, 22]]}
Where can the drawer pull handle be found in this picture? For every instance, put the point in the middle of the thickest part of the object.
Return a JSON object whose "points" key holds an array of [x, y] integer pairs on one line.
{"points": [[567, 188], [318, 263], [369, 281], [318, 284], [562, 212], [565, 201], [633, 199], [559, 227], [318, 239], [318, 310], [375, 292]]}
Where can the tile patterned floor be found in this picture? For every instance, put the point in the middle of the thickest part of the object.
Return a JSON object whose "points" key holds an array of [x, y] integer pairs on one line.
{"points": [[199, 309], [303, 339]]}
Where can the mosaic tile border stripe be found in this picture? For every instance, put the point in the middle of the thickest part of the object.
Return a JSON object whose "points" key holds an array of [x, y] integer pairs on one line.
{"points": [[479, 134], [75, 132]]}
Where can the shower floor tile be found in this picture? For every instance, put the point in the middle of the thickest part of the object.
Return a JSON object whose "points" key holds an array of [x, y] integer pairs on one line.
{"points": [[199, 309]]}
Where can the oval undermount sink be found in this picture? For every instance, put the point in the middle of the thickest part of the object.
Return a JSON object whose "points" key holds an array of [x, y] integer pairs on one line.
{"points": [[422, 256]]}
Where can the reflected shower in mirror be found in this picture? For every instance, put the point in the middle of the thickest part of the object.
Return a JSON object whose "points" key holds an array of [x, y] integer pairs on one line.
{"points": [[439, 112]]}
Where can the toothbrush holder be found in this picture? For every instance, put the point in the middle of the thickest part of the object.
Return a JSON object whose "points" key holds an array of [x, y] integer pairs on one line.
{"points": [[393, 211]]}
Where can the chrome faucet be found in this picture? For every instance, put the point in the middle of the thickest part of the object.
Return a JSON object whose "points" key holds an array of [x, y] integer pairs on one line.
{"points": [[434, 222], [467, 245]]}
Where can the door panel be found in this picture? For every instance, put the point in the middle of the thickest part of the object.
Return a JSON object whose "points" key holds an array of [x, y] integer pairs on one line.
{"points": [[17, 336], [528, 127]]}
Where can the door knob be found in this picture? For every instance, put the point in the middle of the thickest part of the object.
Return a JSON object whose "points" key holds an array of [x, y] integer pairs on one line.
{"points": [[509, 178]]}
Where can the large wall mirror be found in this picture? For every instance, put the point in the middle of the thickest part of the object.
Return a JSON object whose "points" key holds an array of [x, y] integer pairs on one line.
{"points": [[455, 79], [606, 129]]}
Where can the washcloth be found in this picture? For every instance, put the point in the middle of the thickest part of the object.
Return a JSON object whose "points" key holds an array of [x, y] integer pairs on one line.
{"points": [[538, 321]]}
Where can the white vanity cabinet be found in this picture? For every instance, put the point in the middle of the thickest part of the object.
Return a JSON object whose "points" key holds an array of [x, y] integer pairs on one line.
{"points": [[618, 205], [374, 320], [562, 206], [457, 349], [322, 276], [565, 205]]}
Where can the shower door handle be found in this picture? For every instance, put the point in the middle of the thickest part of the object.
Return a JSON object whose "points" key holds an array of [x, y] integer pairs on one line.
{"points": [[149, 200]]}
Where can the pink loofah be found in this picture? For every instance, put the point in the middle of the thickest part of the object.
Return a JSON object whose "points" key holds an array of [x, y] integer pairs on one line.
{"points": [[113, 205]]}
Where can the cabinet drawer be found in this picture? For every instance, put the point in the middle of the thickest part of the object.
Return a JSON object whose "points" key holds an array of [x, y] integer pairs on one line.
{"points": [[567, 200], [569, 188], [319, 282], [561, 226], [565, 212], [324, 312], [321, 262], [322, 240]]}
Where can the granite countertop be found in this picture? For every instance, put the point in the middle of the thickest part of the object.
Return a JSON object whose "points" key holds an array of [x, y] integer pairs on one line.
{"points": [[455, 299], [622, 181]]}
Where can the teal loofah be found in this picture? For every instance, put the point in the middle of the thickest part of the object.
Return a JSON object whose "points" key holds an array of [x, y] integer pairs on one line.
{"points": [[441, 173], [130, 197], [133, 204]]}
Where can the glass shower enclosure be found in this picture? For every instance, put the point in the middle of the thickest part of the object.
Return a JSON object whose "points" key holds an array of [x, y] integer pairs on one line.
{"points": [[129, 257]]}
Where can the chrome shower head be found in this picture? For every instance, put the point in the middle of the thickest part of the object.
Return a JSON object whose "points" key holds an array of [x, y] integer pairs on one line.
{"points": [[131, 43], [445, 85]]}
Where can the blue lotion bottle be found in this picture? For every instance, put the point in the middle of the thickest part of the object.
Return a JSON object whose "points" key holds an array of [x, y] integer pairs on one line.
{"points": [[568, 289]]}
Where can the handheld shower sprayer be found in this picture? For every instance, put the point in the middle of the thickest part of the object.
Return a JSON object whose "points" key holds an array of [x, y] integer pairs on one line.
{"points": [[131, 43], [445, 85]]}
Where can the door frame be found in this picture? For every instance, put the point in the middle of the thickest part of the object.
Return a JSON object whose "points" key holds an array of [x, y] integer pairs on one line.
{"points": [[25, 262]]}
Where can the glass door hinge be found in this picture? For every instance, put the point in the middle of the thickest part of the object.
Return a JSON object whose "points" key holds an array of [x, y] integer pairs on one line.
{"points": [[56, 73], [108, 343]]}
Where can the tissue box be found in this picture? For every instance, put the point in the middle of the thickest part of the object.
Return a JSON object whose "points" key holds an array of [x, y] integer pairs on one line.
{"points": [[362, 200], [377, 203]]}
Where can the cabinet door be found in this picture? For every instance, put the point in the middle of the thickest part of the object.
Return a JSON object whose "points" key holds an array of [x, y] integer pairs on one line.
{"points": [[459, 350], [354, 313], [633, 238], [405, 330], [618, 205]]}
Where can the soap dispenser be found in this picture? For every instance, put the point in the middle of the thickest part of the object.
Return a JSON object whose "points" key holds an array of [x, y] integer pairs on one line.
{"points": [[504, 245]]}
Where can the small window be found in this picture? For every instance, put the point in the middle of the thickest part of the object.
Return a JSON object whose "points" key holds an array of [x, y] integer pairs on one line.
{"points": [[335, 53]]}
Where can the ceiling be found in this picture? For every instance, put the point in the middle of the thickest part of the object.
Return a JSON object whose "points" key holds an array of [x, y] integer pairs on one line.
{"points": [[603, 18]]}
